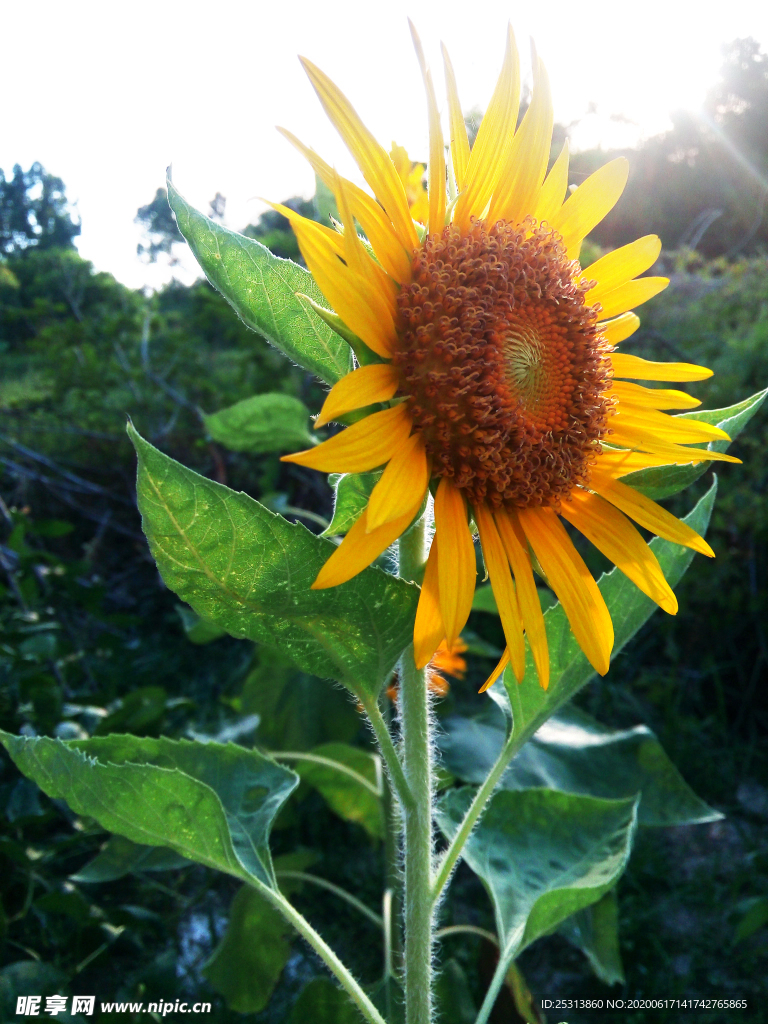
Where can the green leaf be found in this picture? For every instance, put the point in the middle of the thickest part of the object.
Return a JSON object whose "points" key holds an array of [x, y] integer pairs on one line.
{"points": [[249, 570], [452, 995], [297, 711], [261, 288], [526, 705], [755, 918], [542, 855], [211, 803], [573, 753], [119, 857], [141, 712], [322, 1002], [199, 631], [484, 600], [595, 931], [351, 494], [247, 963], [262, 423], [664, 481], [344, 794]]}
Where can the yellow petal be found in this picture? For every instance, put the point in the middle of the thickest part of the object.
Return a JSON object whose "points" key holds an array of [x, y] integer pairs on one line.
{"points": [[620, 463], [428, 630], [494, 137], [405, 479], [375, 164], [503, 662], [526, 163], [651, 398], [516, 547], [364, 386], [647, 513], [627, 296], [357, 257], [635, 437], [363, 446], [456, 560], [613, 534], [372, 219], [618, 330], [659, 426], [359, 548], [359, 305], [503, 589], [621, 265], [571, 581], [591, 201], [643, 369], [436, 163], [552, 192], [459, 140]]}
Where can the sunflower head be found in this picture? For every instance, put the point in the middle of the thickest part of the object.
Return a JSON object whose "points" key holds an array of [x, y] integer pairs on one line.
{"points": [[491, 375]]}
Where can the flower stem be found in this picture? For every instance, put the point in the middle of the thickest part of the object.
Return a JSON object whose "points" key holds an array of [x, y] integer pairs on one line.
{"points": [[417, 819]]}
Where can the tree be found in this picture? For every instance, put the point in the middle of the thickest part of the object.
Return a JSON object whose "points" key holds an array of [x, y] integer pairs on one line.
{"points": [[34, 212]]}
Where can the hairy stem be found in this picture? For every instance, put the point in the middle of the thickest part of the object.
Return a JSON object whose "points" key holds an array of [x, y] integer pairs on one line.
{"points": [[387, 749], [417, 819]]}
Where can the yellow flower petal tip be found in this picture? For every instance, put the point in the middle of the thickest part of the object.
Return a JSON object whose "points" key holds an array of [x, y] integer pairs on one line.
{"points": [[522, 421]]}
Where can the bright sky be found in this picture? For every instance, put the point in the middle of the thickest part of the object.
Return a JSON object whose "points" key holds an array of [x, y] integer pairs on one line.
{"points": [[106, 95]]}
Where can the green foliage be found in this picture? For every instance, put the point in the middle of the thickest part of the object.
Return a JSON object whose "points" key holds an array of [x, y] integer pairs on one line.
{"points": [[34, 212], [595, 931], [248, 961], [573, 753], [262, 290], [542, 855], [250, 571], [120, 857], [351, 494], [263, 423], [323, 1003], [354, 794], [297, 711], [212, 804]]}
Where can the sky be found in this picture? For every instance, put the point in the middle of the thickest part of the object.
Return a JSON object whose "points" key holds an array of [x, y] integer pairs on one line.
{"points": [[107, 95]]}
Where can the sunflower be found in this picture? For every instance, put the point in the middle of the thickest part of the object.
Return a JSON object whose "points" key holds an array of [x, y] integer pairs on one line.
{"points": [[487, 370]]}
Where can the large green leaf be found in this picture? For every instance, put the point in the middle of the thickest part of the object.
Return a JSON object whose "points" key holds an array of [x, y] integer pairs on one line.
{"points": [[296, 711], [262, 289], [246, 964], [542, 855], [322, 1002], [262, 423], [351, 494], [526, 704], [344, 794], [198, 631], [249, 570], [119, 857], [595, 931], [664, 481], [211, 803], [575, 754]]}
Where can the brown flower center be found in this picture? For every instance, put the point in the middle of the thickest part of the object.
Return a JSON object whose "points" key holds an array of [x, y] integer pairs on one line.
{"points": [[503, 364]]}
